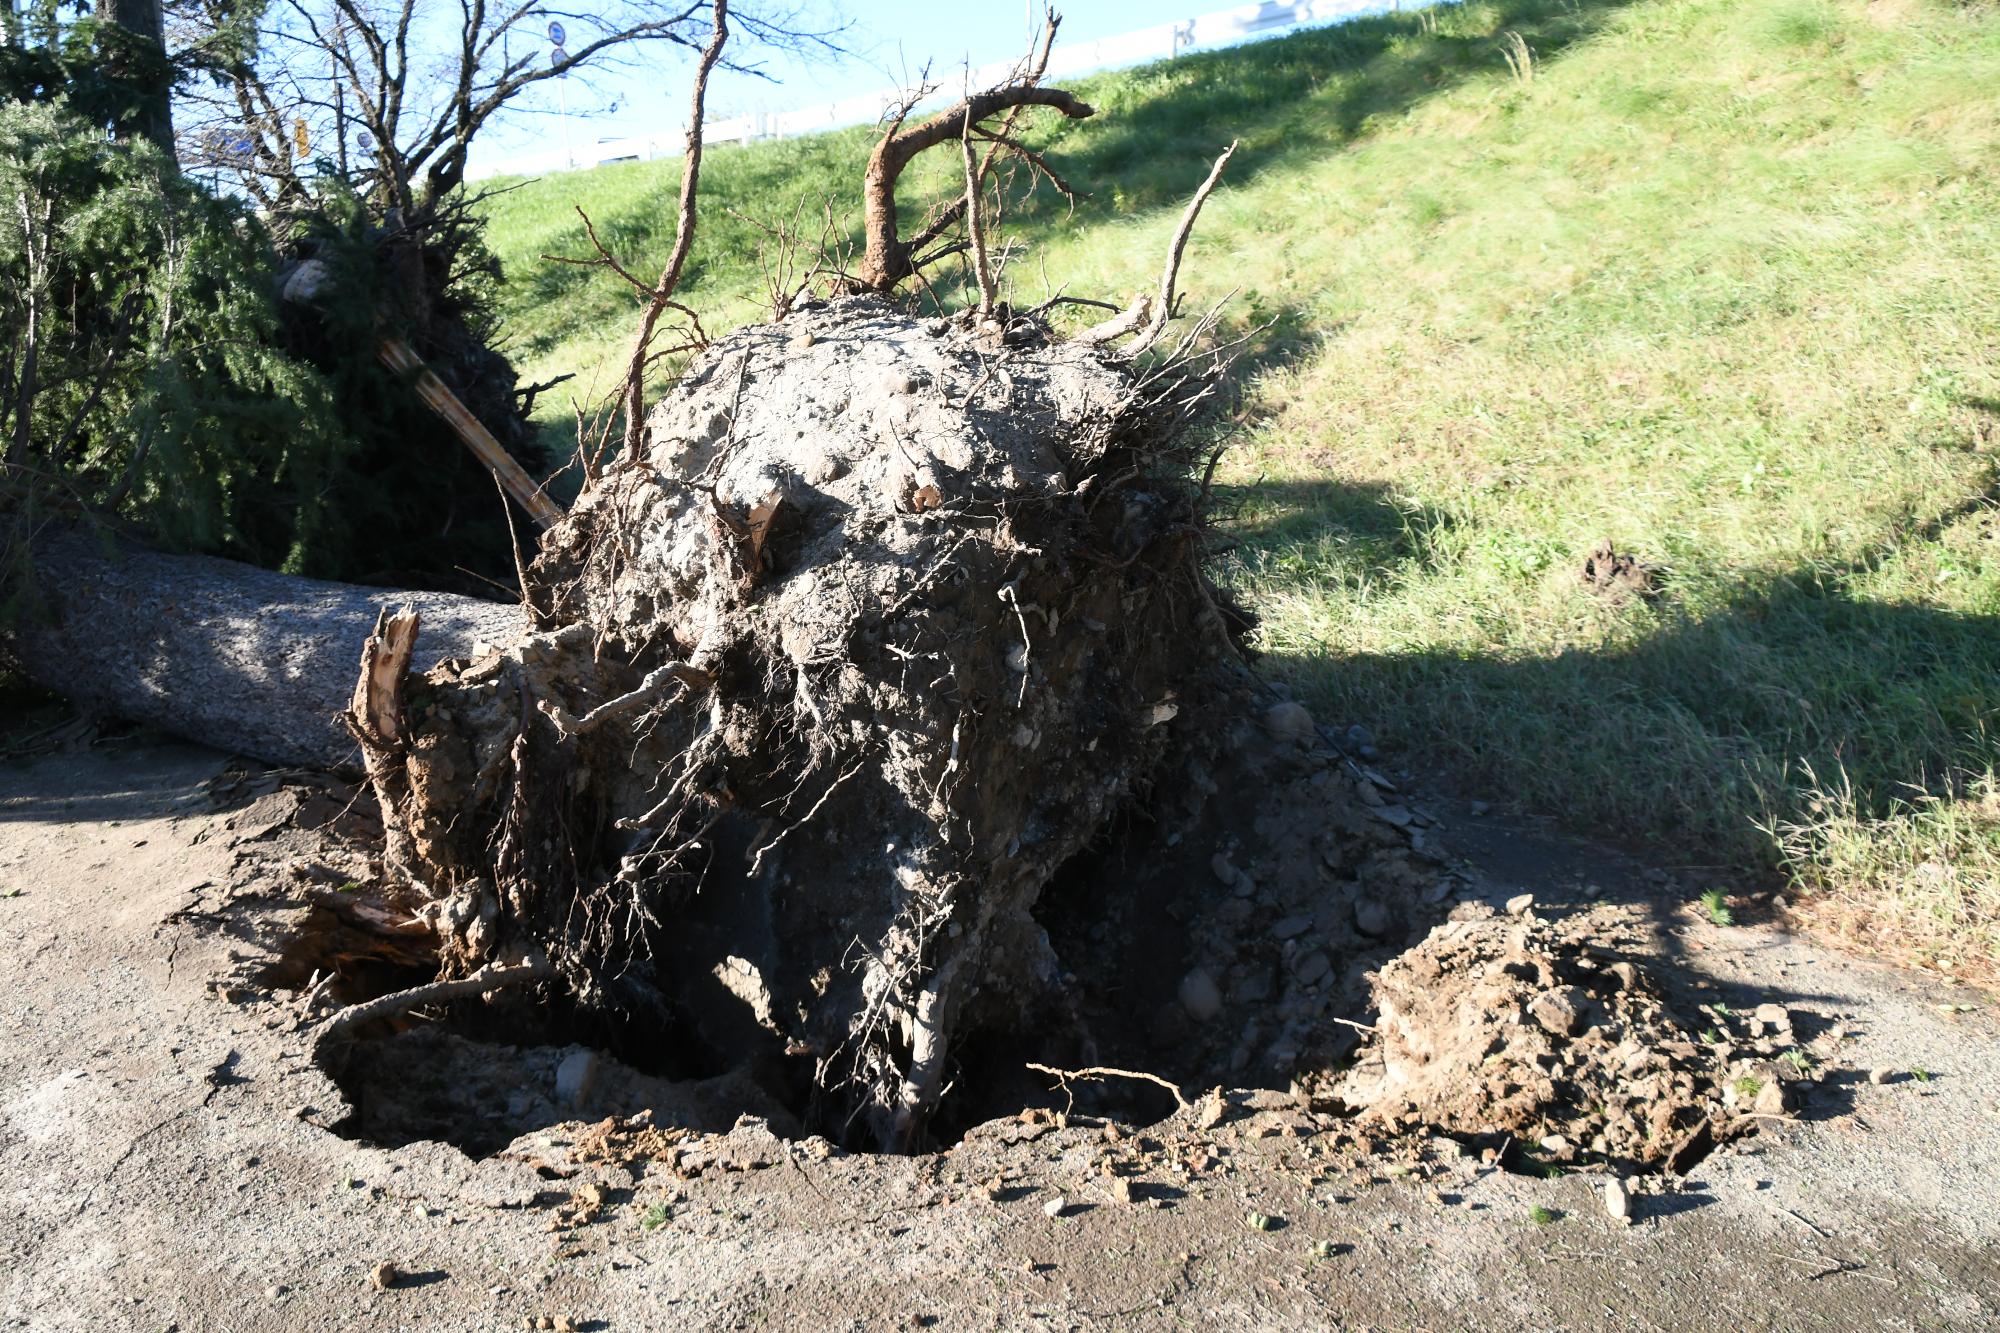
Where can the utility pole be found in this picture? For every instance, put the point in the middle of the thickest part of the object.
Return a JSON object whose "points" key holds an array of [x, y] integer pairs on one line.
{"points": [[339, 95]]}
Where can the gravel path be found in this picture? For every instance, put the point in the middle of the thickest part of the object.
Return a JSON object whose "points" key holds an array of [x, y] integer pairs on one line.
{"points": [[163, 1163]]}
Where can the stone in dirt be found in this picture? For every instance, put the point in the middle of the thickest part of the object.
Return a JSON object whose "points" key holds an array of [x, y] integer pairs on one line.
{"points": [[1773, 1018], [1617, 1200], [1560, 1011], [1773, 1099], [1289, 721], [1289, 927], [1200, 996], [1372, 918]]}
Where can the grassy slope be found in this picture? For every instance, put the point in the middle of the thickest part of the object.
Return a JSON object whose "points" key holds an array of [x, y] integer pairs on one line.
{"points": [[1717, 283]]}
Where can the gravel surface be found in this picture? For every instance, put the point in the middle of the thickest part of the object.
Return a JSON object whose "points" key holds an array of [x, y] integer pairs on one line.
{"points": [[166, 1164]]}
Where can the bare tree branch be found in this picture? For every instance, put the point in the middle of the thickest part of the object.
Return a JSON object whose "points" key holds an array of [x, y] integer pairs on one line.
{"points": [[975, 238], [670, 276], [423, 94], [1164, 310]]}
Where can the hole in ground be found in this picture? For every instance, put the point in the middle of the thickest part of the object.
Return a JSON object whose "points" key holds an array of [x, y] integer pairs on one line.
{"points": [[1214, 951], [480, 1075], [1208, 960]]}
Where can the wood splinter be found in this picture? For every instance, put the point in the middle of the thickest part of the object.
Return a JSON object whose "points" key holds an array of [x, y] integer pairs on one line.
{"points": [[375, 721]]}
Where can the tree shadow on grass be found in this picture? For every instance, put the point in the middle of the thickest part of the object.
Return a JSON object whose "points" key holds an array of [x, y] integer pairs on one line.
{"points": [[1692, 728], [1314, 535]]}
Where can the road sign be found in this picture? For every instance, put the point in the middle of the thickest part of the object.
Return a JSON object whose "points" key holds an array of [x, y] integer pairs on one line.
{"points": [[556, 33], [556, 56], [229, 145]]}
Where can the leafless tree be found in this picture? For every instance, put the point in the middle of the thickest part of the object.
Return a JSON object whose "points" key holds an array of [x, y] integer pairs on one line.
{"points": [[420, 81]]}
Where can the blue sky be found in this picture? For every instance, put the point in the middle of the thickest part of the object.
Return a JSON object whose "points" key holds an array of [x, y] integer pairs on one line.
{"points": [[888, 41]]}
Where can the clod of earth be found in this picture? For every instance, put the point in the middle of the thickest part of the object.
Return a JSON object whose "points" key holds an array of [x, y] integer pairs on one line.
{"points": [[1617, 575], [1526, 1028]]}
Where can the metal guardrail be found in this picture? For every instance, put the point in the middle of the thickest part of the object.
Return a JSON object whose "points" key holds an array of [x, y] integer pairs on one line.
{"points": [[1223, 27]]}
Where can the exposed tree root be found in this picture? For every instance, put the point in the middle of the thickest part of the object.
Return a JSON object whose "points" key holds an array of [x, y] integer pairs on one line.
{"points": [[824, 689], [1099, 1072]]}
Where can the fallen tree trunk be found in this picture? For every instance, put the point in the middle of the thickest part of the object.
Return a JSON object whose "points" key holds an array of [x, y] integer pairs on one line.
{"points": [[244, 659]]}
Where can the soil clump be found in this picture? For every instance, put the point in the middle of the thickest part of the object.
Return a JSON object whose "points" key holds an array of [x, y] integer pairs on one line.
{"points": [[1509, 1028]]}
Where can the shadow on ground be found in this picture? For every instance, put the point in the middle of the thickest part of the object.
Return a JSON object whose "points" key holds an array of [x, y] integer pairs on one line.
{"points": [[1689, 727]]}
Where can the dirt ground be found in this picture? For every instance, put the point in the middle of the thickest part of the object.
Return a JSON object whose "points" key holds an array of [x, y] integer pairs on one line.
{"points": [[168, 1161]]}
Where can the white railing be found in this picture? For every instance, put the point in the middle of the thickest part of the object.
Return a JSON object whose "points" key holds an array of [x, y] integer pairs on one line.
{"points": [[1224, 27]]}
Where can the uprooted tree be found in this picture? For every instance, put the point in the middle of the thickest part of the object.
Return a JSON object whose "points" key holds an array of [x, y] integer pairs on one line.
{"points": [[867, 727], [870, 626]]}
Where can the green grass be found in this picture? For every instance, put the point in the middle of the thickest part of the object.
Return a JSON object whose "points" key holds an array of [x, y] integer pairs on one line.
{"points": [[1716, 282]]}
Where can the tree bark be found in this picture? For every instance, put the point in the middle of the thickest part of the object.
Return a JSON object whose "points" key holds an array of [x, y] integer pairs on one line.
{"points": [[142, 19], [218, 652]]}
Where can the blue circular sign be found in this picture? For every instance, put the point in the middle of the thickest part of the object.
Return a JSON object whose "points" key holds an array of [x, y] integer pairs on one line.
{"points": [[556, 33]]}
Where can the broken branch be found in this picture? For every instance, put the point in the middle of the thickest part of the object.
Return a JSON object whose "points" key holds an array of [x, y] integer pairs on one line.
{"points": [[398, 356], [1164, 311]]}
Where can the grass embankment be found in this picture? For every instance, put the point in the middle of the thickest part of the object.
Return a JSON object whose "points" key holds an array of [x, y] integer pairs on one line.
{"points": [[1714, 279]]}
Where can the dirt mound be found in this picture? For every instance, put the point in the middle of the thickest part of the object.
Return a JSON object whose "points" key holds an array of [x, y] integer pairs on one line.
{"points": [[1512, 1028], [1616, 575]]}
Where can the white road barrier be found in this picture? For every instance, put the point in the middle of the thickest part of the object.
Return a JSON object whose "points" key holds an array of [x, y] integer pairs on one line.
{"points": [[1224, 27]]}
